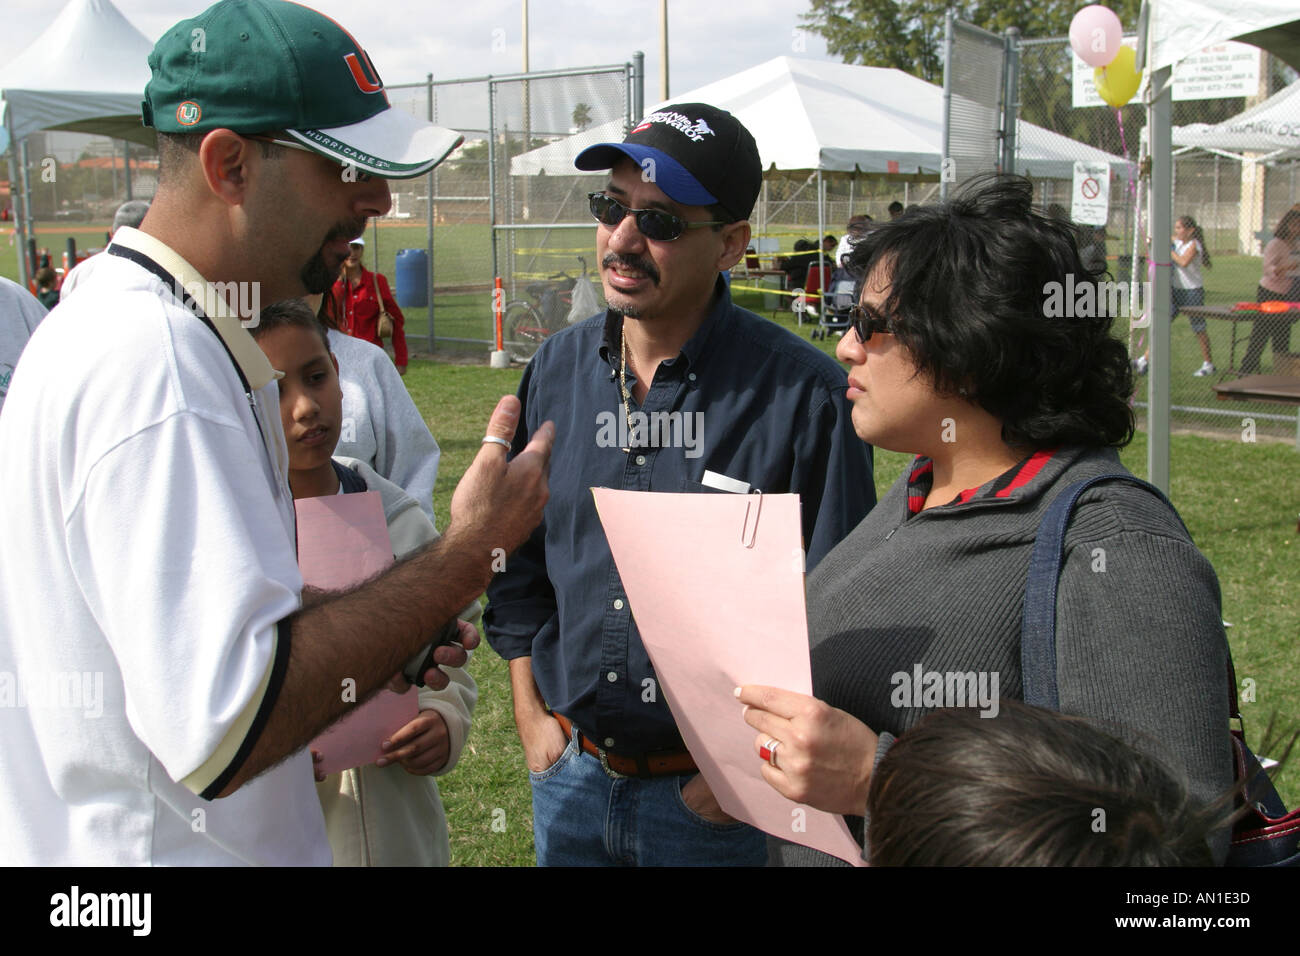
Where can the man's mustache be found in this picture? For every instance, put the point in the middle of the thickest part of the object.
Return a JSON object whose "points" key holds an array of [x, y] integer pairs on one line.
{"points": [[631, 262]]}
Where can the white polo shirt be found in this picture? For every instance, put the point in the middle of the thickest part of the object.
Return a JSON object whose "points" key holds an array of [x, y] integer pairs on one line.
{"points": [[149, 555]]}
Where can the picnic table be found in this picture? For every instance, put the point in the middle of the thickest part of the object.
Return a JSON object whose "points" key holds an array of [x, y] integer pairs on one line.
{"points": [[1284, 389], [1235, 314]]}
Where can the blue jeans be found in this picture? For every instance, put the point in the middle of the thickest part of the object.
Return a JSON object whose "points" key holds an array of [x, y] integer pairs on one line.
{"points": [[583, 817]]}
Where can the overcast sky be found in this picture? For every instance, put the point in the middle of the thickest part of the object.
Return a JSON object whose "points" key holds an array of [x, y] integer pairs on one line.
{"points": [[407, 39]]}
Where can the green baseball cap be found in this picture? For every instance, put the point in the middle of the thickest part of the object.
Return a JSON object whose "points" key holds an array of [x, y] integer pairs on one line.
{"points": [[261, 66]]}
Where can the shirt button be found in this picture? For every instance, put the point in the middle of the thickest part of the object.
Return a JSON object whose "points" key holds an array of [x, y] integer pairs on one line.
{"points": [[609, 741], [640, 459], [618, 604], [611, 677], [691, 376]]}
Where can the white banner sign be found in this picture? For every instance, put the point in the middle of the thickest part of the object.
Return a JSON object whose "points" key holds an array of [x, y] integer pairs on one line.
{"points": [[1090, 200], [1218, 72]]}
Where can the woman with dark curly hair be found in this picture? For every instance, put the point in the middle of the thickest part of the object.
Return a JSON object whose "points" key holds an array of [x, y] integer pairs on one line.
{"points": [[954, 359]]}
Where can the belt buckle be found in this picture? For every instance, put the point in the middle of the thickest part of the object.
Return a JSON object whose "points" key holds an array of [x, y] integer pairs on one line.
{"points": [[609, 771]]}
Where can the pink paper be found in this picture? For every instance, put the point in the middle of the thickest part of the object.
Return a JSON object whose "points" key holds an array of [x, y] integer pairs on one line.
{"points": [[715, 582], [342, 541]]}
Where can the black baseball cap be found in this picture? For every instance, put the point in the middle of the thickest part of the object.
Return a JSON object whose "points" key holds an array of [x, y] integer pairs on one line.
{"points": [[702, 156], [261, 66]]}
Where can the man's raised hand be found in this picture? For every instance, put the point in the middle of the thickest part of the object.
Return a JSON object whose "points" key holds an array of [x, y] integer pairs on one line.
{"points": [[498, 503]]}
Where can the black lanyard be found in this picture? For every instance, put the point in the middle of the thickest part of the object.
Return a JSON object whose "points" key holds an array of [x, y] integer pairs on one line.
{"points": [[178, 290]]}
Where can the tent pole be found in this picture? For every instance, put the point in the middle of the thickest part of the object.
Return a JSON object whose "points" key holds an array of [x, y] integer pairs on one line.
{"points": [[1161, 229], [20, 229]]}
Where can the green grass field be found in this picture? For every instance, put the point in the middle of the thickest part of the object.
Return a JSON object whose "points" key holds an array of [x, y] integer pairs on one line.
{"points": [[1240, 500]]}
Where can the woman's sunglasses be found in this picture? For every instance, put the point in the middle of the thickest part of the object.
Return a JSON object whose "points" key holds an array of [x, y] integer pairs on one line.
{"points": [[866, 321], [653, 223]]}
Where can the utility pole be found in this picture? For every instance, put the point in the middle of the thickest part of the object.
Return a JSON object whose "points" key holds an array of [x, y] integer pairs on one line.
{"points": [[663, 49]]}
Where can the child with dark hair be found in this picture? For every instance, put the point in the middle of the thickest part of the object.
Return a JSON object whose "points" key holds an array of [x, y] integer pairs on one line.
{"points": [[403, 823], [45, 290], [1029, 787], [1188, 255]]}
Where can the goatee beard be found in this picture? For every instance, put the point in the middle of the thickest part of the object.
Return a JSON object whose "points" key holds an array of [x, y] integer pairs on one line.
{"points": [[316, 276]]}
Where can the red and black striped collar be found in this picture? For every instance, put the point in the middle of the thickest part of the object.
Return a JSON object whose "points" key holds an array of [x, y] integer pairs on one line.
{"points": [[921, 479]]}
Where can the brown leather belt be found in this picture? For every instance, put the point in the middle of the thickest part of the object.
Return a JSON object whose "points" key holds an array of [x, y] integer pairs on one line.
{"points": [[658, 763]]}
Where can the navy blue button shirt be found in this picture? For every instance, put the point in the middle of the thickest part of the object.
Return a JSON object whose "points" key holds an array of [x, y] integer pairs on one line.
{"points": [[745, 399]]}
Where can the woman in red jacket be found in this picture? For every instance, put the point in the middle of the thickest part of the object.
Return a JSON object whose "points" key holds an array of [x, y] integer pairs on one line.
{"points": [[355, 303]]}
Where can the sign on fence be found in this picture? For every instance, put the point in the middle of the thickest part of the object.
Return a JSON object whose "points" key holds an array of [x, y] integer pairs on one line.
{"points": [[1090, 200], [1218, 72]]}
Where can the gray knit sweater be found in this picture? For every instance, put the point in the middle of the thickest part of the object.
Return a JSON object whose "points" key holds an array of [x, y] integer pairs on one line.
{"points": [[1140, 645]]}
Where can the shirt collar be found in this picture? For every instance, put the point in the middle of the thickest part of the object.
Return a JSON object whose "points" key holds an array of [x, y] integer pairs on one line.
{"points": [[695, 347], [920, 480], [252, 360]]}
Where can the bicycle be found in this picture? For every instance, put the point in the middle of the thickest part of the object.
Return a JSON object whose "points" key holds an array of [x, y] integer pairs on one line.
{"points": [[526, 325]]}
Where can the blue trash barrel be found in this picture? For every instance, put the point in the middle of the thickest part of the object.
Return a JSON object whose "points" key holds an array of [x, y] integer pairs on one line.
{"points": [[412, 274]]}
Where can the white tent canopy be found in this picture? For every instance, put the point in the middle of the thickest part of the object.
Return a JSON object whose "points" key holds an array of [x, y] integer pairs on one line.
{"points": [[1181, 28], [836, 117], [1271, 128], [86, 73]]}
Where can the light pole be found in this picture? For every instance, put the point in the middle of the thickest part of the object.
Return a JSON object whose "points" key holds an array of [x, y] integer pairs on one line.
{"points": [[663, 49]]}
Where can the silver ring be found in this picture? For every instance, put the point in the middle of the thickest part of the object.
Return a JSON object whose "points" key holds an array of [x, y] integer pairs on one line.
{"points": [[772, 744], [493, 440]]}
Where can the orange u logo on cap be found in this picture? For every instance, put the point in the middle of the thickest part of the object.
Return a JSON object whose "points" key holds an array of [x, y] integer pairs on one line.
{"points": [[188, 113], [367, 77]]}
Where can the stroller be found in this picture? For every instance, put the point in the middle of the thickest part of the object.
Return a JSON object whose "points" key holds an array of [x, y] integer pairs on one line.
{"points": [[840, 296]]}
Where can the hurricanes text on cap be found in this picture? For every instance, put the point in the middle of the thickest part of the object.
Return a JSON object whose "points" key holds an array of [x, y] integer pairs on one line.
{"points": [[701, 155], [260, 66]]}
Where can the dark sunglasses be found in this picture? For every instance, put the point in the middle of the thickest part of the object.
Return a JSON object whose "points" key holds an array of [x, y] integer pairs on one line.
{"points": [[653, 223], [866, 321]]}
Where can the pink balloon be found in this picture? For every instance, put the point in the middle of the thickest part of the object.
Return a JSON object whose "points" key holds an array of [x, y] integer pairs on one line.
{"points": [[1095, 35]]}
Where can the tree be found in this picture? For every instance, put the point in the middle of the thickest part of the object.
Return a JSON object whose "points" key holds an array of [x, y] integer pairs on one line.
{"points": [[581, 116], [908, 34]]}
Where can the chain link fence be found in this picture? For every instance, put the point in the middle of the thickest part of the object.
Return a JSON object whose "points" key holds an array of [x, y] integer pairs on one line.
{"points": [[1236, 197], [507, 203], [543, 236]]}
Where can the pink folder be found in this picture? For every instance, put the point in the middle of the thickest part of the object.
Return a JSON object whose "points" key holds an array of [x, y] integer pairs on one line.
{"points": [[342, 541], [715, 582]]}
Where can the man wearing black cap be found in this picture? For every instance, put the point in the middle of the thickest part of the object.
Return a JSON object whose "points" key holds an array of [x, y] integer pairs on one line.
{"points": [[672, 389], [151, 609]]}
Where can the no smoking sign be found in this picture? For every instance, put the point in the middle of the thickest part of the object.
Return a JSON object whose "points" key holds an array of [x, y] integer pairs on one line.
{"points": [[1090, 205]]}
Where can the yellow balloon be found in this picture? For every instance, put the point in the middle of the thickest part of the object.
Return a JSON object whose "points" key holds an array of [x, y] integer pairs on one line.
{"points": [[1118, 80]]}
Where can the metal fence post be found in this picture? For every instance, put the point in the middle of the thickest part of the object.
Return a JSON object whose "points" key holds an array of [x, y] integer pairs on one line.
{"points": [[1011, 98], [428, 207], [638, 87], [1162, 166], [947, 104]]}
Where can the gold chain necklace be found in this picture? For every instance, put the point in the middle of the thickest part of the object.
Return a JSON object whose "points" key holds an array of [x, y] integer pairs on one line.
{"points": [[622, 384]]}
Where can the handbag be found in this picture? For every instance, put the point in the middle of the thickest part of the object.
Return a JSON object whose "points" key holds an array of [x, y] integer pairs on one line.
{"points": [[384, 326], [1264, 834]]}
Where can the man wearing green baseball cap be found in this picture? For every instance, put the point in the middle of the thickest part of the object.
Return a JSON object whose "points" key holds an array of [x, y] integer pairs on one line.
{"points": [[158, 590]]}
